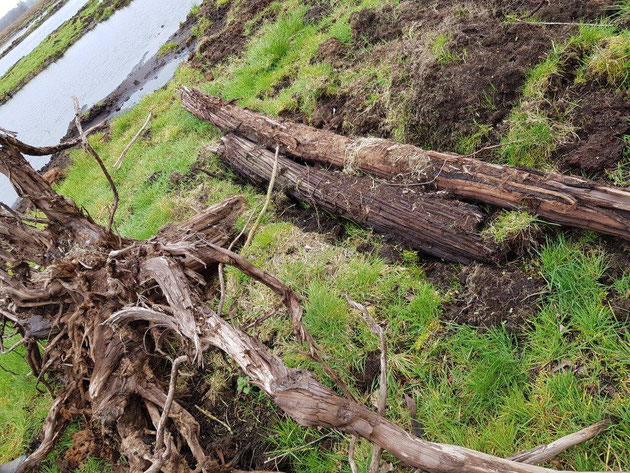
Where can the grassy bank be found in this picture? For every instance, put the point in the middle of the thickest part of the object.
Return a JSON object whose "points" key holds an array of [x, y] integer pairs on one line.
{"points": [[35, 16], [56, 44], [498, 388]]}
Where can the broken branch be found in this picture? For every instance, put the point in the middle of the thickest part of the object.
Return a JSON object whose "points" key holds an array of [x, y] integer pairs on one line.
{"points": [[88, 149], [130, 144]]}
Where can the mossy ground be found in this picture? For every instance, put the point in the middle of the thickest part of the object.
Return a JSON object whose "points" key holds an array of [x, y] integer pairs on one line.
{"points": [[492, 389]]}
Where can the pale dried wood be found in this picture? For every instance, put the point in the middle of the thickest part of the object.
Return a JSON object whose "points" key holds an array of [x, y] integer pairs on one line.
{"points": [[544, 453], [120, 159], [88, 149]]}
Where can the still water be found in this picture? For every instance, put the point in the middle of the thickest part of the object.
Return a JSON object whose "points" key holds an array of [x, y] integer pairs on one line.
{"points": [[92, 68], [31, 41], [20, 32]]}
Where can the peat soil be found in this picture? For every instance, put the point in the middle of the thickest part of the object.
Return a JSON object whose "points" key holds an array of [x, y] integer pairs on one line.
{"points": [[474, 88]]}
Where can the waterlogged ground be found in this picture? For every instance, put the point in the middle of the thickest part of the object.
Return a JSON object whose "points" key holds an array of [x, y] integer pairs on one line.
{"points": [[498, 358]]}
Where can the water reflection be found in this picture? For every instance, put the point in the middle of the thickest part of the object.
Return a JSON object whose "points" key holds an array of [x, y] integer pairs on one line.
{"points": [[92, 68]]}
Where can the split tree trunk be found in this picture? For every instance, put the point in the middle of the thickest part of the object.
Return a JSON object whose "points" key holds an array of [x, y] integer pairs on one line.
{"points": [[560, 199], [444, 228]]}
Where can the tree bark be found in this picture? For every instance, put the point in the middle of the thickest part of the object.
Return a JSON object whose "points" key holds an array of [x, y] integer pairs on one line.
{"points": [[557, 198], [443, 228]]}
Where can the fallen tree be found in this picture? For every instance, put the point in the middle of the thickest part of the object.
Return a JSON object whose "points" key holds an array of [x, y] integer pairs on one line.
{"points": [[112, 310], [560, 199], [444, 228]]}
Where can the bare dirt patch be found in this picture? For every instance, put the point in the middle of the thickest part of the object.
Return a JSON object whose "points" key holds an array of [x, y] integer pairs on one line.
{"points": [[490, 296], [474, 80], [602, 122]]}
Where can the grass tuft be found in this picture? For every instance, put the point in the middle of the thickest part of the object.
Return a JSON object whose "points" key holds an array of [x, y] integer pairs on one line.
{"points": [[510, 224], [443, 54]]}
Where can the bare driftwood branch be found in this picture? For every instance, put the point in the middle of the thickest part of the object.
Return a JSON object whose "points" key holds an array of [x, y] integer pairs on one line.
{"points": [[560, 199], [88, 149], [351, 449], [544, 453], [10, 140], [382, 398], [120, 159], [160, 452]]}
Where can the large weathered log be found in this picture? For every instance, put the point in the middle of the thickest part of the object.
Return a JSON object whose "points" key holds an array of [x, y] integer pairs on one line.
{"points": [[560, 199], [442, 228]]}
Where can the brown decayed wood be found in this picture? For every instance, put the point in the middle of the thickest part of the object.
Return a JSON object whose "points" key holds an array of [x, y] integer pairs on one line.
{"points": [[437, 226], [558, 198]]}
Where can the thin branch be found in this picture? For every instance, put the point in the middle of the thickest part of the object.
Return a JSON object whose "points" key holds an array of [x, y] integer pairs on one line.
{"points": [[130, 144], [160, 455], [216, 419], [7, 139], [15, 345], [272, 181], [544, 453], [562, 23], [88, 148], [222, 266], [382, 399], [21, 217]]}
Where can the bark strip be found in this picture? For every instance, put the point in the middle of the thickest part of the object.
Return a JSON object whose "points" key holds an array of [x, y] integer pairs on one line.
{"points": [[557, 198]]}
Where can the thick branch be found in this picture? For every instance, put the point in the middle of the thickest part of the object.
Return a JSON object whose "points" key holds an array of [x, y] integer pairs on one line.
{"points": [[9, 140]]}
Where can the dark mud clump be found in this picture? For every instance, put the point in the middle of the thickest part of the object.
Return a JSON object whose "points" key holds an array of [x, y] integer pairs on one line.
{"points": [[455, 67], [230, 420], [601, 119], [225, 38], [366, 377], [618, 266], [490, 296], [374, 25]]}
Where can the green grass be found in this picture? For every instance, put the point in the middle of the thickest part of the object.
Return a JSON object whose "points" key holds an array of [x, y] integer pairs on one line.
{"points": [[22, 408], [510, 224], [492, 390], [538, 126], [443, 54], [610, 61], [167, 48], [55, 44]]}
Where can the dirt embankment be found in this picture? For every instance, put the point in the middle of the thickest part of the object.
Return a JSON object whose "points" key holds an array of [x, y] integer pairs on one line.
{"points": [[457, 71]]}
